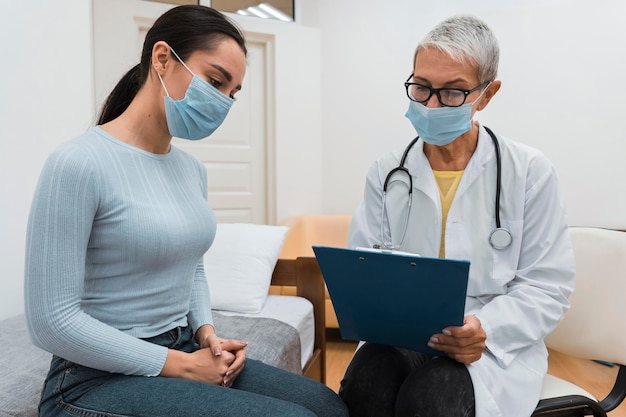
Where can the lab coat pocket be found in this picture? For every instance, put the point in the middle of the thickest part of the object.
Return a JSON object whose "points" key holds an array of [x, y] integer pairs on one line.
{"points": [[505, 260]]}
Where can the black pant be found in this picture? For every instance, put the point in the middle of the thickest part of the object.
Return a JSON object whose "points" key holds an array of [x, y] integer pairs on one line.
{"points": [[384, 381]]}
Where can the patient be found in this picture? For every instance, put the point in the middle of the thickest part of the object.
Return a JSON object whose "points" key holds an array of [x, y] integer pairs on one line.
{"points": [[115, 286]]}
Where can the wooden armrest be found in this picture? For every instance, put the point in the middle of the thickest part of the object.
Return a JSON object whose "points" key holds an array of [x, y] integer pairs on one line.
{"points": [[305, 275]]}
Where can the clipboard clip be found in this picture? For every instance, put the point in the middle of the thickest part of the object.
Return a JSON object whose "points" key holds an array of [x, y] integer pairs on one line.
{"points": [[386, 250]]}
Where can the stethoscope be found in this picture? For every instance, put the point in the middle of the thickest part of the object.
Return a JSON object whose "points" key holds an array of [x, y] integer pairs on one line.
{"points": [[500, 238]]}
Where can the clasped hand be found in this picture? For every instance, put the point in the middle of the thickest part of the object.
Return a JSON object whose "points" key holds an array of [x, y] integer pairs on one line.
{"points": [[464, 344], [218, 361], [227, 353]]}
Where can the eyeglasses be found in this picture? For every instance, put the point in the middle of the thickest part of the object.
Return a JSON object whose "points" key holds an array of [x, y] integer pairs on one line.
{"points": [[449, 97]]}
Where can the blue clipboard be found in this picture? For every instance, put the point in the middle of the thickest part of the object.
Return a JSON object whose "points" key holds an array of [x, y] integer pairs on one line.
{"points": [[394, 299]]}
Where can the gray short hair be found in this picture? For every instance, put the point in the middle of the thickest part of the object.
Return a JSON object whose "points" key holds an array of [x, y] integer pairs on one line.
{"points": [[466, 39]]}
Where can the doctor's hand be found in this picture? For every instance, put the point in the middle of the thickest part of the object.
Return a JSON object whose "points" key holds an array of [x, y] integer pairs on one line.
{"points": [[464, 344]]}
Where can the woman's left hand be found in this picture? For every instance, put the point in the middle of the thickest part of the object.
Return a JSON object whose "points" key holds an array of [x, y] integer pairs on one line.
{"points": [[464, 344]]}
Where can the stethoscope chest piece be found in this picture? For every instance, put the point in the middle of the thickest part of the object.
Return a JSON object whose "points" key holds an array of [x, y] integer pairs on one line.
{"points": [[500, 238]]}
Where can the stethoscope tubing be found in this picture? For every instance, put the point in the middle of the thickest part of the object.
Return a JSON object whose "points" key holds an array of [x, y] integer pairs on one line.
{"points": [[500, 238]]}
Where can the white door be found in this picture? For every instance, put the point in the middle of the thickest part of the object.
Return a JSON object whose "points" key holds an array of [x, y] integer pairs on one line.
{"points": [[239, 155]]}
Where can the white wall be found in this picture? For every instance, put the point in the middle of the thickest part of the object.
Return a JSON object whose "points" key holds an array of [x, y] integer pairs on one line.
{"points": [[45, 80], [563, 90], [297, 109], [48, 98]]}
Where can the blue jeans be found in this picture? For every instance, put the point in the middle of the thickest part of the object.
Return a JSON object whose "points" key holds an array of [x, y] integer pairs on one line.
{"points": [[259, 390], [384, 381]]}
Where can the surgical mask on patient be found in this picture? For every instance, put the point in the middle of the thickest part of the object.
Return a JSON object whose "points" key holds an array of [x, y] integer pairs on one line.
{"points": [[199, 113], [440, 125]]}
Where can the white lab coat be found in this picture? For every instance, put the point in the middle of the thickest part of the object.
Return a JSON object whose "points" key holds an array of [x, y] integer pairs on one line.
{"points": [[519, 293]]}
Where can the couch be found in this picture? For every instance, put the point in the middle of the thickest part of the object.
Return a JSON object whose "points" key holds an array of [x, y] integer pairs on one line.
{"points": [[23, 366], [306, 231]]}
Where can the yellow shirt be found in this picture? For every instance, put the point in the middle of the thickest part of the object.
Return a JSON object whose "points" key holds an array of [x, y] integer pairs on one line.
{"points": [[447, 182]]}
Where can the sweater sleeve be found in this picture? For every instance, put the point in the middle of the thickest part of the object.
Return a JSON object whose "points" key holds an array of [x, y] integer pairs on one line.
{"points": [[59, 227]]}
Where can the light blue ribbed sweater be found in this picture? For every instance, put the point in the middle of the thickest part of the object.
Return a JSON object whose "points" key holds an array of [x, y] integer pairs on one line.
{"points": [[114, 252]]}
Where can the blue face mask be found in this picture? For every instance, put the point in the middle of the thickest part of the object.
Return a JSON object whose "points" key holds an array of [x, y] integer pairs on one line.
{"points": [[440, 125], [199, 113]]}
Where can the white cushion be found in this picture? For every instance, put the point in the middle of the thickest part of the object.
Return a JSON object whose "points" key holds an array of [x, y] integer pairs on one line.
{"points": [[588, 329], [240, 263], [557, 387]]}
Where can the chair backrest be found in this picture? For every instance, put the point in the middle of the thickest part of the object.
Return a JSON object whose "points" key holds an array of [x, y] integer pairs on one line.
{"points": [[595, 325]]}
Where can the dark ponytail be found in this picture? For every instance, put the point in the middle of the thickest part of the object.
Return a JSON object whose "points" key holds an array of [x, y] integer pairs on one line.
{"points": [[186, 29], [121, 96]]}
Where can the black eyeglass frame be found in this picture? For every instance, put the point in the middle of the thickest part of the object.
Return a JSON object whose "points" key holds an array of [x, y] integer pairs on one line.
{"points": [[438, 91]]}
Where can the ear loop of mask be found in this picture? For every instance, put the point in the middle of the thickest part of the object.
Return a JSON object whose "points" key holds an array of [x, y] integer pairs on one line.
{"points": [[179, 60]]}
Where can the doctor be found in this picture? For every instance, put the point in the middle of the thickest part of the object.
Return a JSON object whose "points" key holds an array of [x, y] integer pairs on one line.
{"points": [[463, 192]]}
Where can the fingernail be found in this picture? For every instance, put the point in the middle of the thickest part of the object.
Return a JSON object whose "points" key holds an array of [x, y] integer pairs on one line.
{"points": [[446, 332], [434, 340], [217, 352]]}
